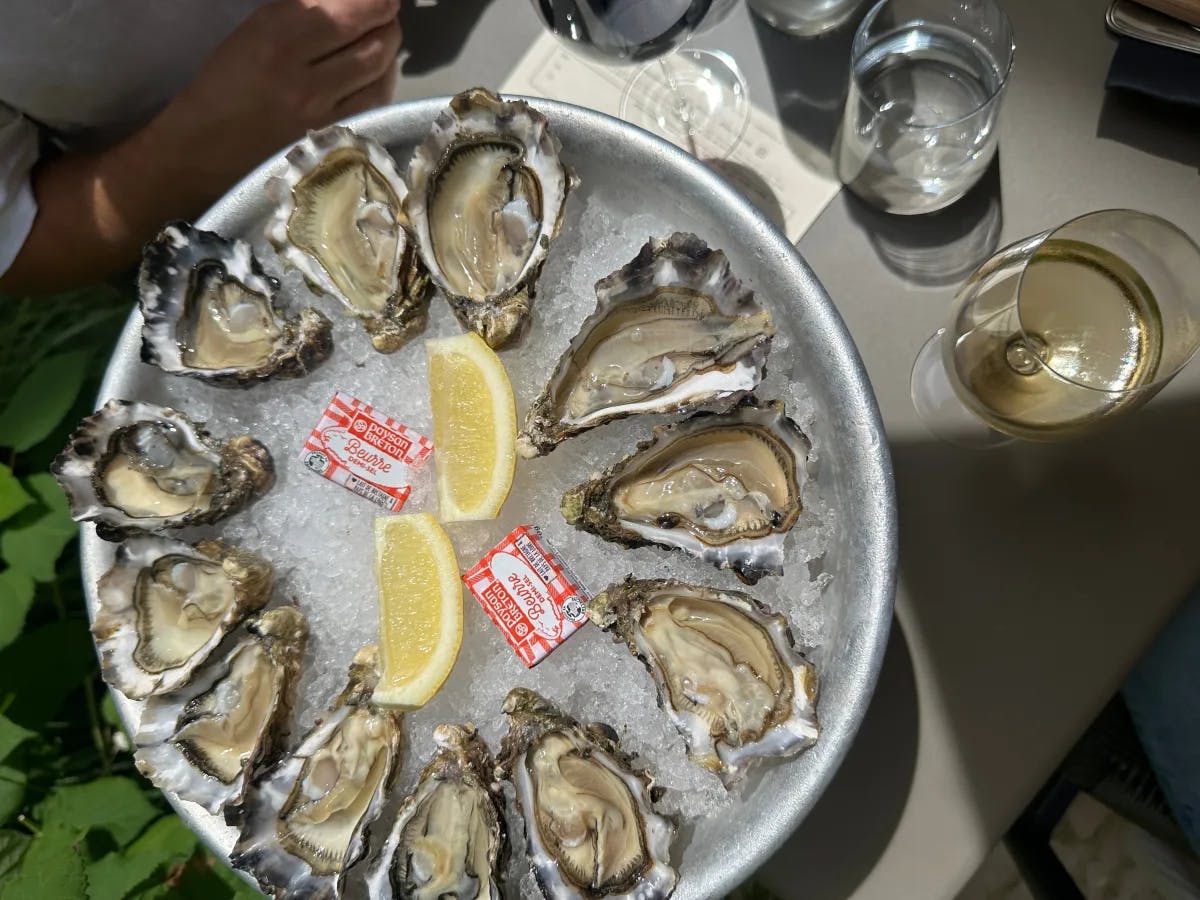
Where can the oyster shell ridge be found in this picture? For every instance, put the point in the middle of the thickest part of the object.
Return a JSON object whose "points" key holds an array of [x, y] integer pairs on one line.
{"points": [[282, 634], [590, 506], [531, 718], [243, 467], [462, 756], [114, 627], [406, 310], [618, 609], [503, 317], [166, 276], [680, 261], [258, 850]]}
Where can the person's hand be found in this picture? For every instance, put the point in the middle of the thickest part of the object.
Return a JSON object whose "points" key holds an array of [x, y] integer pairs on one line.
{"points": [[292, 65]]}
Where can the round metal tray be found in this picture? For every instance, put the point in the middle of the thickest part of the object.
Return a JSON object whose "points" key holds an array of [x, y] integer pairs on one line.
{"points": [[626, 162]]}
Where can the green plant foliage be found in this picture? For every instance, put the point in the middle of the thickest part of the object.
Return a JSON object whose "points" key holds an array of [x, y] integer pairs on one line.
{"points": [[43, 399], [16, 595], [13, 497], [33, 539], [77, 822]]}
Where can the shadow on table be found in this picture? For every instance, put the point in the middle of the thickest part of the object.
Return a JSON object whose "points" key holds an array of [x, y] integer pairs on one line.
{"points": [[753, 186], [808, 81], [1124, 118], [1043, 551], [436, 33], [843, 837], [941, 247]]}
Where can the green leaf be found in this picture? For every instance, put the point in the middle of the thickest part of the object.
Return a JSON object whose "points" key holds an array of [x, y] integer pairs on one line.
{"points": [[167, 842], [16, 594], [40, 669], [52, 867], [33, 540], [13, 498], [12, 792], [114, 804], [108, 712], [12, 848], [12, 736], [42, 398]]}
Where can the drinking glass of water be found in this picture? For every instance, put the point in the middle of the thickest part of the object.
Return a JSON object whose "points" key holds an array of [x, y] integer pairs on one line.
{"points": [[1063, 330], [926, 81]]}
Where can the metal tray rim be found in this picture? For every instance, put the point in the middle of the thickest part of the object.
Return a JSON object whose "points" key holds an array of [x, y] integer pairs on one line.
{"points": [[873, 461]]}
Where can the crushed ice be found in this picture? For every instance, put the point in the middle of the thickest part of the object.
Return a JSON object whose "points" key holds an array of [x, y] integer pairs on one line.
{"points": [[320, 538]]}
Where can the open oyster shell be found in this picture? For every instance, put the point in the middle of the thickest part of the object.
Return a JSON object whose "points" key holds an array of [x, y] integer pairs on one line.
{"points": [[209, 311], [726, 670], [339, 219], [449, 839], [487, 197], [132, 467], [164, 606], [673, 331], [589, 817], [304, 819], [725, 488], [205, 741]]}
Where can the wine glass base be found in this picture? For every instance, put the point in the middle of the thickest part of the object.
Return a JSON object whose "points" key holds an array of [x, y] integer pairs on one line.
{"points": [[938, 406], [695, 99]]}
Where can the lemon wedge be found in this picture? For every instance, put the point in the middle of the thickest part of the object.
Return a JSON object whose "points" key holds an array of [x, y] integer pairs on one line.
{"points": [[420, 608], [474, 427]]}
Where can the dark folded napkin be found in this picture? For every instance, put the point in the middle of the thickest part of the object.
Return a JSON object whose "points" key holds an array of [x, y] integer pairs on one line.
{"points": [[1171, 75]]}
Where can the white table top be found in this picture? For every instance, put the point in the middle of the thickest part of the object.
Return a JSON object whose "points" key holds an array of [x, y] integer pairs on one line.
{"points": [[1031, 577]]}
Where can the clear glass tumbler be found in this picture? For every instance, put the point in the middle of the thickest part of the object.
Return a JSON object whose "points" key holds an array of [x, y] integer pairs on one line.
{"points": [[805, 18], [926, 81], [1063, 330]]}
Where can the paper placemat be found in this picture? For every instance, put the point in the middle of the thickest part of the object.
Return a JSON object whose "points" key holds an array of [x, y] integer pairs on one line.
{"points": [[762, 166]]}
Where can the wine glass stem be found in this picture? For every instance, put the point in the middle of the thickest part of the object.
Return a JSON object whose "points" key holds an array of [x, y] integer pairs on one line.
{"points": [[681, 105]]}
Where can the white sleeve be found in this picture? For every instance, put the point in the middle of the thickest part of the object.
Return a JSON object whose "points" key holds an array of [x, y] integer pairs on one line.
{"points": [[18, 153]]}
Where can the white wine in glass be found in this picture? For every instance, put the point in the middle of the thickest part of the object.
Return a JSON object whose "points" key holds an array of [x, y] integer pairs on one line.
{"points": [[1067, 328]]}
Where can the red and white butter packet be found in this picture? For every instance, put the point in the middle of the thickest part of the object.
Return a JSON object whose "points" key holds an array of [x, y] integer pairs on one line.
{"points": [[364, 451], [527, 591]]}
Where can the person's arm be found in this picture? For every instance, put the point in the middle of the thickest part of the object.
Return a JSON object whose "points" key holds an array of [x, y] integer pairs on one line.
{"points": [[292, 65]]}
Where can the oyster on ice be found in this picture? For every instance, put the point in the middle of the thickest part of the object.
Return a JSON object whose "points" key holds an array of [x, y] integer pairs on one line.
{"points": [[674, 330], [209, 311], [487, 197], [133, 467], [726, 669], [304, 820], [339, 219], [725, 488], [205, 740], [164, 606], [449, 839], [589, 817]]}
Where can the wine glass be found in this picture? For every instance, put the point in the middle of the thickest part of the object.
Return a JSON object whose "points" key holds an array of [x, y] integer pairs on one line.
{"points": [[1063, 330], [694, 98]]}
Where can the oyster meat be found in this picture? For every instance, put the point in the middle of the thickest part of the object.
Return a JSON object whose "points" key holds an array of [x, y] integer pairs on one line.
{"points": [[209, 311], [304, 819], [673, 331], [339, 219], [133, 467], [725, 488], [487, 197], [726, 669], [164, 606], [449, 840], [589, 817], [205, 741]]}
